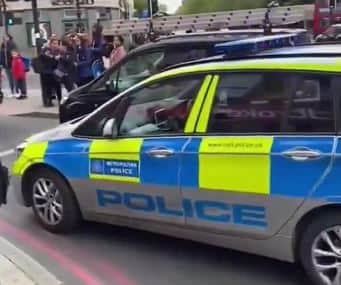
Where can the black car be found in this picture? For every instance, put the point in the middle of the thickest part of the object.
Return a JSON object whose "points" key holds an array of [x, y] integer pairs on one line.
{"points": [[4, 181], [139, 64]]}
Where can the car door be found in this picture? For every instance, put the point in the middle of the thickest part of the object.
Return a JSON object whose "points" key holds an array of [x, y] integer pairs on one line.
{"points": [[136, 174], [265, 141]]}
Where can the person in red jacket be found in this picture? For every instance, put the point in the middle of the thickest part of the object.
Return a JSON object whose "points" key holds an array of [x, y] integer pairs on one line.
{"points": [[19, 74]]}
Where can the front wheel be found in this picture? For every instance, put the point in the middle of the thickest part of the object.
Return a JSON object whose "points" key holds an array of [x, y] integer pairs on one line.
{"points": [[54, 204], [320, 249]]}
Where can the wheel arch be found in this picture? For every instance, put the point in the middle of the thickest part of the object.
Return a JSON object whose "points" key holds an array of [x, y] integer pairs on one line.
{"points": [[26, 191], [306, 219]]}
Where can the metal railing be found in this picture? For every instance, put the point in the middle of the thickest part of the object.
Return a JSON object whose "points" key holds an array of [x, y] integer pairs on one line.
{"points": [[279, 16]]}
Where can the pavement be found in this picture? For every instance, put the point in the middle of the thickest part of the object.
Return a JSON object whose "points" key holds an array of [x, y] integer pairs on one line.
{"points": [[18, 268], [32, 106]]}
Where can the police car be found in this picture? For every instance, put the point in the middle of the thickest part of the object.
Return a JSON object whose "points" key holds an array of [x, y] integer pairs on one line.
{"points": [[242, 153]]}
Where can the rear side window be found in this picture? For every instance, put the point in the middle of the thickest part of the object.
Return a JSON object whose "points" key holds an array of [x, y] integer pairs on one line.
{"points": [[273, 103]]}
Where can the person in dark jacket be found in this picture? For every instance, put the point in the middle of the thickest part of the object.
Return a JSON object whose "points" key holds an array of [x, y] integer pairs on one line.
{"points": [[4, 182], [84, 61], [50, 56], [98, 44], [7, 47], [67, 64]]}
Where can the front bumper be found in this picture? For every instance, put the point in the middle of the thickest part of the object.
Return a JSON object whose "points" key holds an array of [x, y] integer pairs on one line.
{"points": [[4, 182]]}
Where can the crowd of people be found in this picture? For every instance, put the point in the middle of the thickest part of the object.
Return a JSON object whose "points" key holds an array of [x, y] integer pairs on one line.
{"points": [[63, 62], [68, 62]]}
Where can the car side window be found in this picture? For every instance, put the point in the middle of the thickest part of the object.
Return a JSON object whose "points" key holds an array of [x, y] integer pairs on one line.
{"points": [[160, 108], [137, 68], [176, 55], [273, 102]]}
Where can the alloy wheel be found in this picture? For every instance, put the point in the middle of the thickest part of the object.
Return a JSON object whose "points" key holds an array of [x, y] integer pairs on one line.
{"points": [[47, 201]]}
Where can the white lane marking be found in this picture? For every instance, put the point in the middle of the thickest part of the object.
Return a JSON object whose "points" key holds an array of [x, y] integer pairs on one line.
{"points": [[7, 153]]}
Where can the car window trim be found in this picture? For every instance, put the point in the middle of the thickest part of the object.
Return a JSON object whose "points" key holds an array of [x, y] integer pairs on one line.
{"points": [[333, 76], [117, 67], [204, 77], [139, 86]]}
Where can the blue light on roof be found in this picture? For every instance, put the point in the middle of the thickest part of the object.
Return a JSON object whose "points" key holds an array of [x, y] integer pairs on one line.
{"points": [[257, 44]]}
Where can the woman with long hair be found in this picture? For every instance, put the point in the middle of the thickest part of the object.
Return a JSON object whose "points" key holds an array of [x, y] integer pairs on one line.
{"points": [[119, 52], [67, 64]]}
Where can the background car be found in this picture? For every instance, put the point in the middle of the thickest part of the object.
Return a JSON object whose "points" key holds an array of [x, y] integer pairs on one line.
{"points": [[151, 59], [333, 33], [139, 64]]}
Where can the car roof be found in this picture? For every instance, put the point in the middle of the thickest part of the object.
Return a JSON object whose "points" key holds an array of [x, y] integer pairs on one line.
{"points": [[309, 64], [316, 50], [195, 40]]}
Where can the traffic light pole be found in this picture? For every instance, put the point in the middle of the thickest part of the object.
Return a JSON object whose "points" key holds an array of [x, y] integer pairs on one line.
{"points": [[4, 22], [4, 9], [36, 25], [150, 4], [79, 16]]}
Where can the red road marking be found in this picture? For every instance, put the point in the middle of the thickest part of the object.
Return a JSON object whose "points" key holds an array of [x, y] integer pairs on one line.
{"points": [[77, 270], [116, 274]]}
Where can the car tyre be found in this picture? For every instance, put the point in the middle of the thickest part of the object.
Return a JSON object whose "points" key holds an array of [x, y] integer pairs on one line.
{"points": [[320, 246], [53, 201]]}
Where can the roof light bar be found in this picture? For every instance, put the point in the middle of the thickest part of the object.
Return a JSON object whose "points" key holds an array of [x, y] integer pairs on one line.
{"points": [[258, 44]]}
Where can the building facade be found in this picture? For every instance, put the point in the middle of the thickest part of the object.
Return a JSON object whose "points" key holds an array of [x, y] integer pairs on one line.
{"points": [[60, 17]]}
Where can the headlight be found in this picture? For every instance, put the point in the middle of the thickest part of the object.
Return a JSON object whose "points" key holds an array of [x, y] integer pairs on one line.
{"points": [[20, 148]]}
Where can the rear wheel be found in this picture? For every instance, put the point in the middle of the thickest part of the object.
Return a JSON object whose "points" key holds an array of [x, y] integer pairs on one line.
{"points": [[53, 202], [320, 249]]}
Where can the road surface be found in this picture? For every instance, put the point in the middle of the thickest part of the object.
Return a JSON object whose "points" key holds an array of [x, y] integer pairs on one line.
{"points": [[102, 254]]}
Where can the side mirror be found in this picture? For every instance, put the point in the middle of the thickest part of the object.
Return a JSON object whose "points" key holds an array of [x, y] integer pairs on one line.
{"points": [[110, 129]]}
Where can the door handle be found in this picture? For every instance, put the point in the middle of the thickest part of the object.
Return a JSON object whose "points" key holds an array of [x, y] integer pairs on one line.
{"points": [[302, 155], [161, 152]]}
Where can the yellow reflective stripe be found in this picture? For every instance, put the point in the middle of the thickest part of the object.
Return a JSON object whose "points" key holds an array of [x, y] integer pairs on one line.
{"points": [[236, 164], [32, 154], [124, 150], [193, 116], [332, 64], [115, 178], [206, 110]]}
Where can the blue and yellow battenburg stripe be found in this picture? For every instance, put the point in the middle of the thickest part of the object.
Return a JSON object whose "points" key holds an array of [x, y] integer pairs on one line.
{"points": [[203, 164], [246, 165]]}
